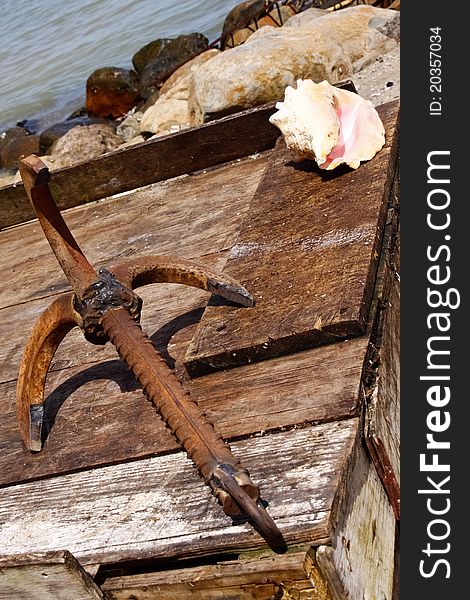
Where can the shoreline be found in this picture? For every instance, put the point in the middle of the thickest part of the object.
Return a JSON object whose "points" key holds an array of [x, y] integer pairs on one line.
{"points": [[40, 74], [183, 96]]}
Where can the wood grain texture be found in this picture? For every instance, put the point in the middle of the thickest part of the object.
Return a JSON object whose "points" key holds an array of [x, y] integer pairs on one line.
{"points": [[99, 415], [159, 507], [45, 576], [383, 411], [92, 383], [294, 575], [324, 557], [111, 483], [363, 533], [188, 216], [308, 251], [128, 168]]}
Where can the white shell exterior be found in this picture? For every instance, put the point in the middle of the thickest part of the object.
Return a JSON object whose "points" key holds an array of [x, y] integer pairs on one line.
{"points": [[329, 125]]}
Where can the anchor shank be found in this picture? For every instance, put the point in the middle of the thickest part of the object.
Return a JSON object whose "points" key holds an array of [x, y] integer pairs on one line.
{"points": [[182, 415], [76, 267]]}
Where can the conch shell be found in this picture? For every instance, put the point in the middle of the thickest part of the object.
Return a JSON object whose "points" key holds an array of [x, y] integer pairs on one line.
{"points": [[329, 125]]}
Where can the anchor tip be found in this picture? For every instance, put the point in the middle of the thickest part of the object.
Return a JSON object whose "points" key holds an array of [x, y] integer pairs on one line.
{"points": [[232, 292], [36, 420]]}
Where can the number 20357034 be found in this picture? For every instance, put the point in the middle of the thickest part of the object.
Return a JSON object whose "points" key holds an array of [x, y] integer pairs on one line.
{"points": [[435, 71]]}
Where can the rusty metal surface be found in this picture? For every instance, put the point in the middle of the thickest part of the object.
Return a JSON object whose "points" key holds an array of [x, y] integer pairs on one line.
{"points": [[48, 332], [104, 306], [104, 294], [143, 270], [76, 267]]}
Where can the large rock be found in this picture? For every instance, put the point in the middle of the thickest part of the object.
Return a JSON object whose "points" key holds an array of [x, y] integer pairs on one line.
{"points": [[111, 92], [248, 16], [85, 142], [166, 115], [165, 110], [171, 110], [150, 101], [305, 19], [362, 31], [57, 130], [389, 27], [183, 74], [318, 48], [156, 61], [240, 16]]}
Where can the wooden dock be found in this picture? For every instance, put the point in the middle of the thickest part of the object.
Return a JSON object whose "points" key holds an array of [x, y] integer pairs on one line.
{"points": [[304, 385]]}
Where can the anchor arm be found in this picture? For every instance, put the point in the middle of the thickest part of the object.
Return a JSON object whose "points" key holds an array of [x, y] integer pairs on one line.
{"points": [[48, 332], [169, 269]]}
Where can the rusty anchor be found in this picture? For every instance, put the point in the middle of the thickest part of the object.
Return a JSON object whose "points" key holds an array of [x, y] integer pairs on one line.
{"points": [[104, 305]]}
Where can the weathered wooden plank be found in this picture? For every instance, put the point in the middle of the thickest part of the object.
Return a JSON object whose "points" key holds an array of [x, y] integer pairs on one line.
{"points": [[382, 377], [189, 216], [45, 576], [383, 411], [160, 508], [363, 535], [292, 576], [266, 590], [308, 252], [229, 138], [324, 558], [104, 417], [132, 167]]}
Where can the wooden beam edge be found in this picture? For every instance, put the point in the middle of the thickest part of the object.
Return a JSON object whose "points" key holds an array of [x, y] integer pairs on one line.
{"points": [[103, 176], [384, 468], [41, 562], [218, 575], [207, 363], [202, 362], [379, 247]]}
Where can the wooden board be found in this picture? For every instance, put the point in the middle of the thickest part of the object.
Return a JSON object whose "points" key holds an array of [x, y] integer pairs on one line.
{"points": [[229, 138], [383, 411], [113, 486], [264, 578], [101, 416], [160, 508], [361, 556], [308, 252], [128, 168], [90, 382], [190, 216], [45, 576]]}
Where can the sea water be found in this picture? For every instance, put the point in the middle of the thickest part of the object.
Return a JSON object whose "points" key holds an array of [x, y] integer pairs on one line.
{"points": [[48, 48]]}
